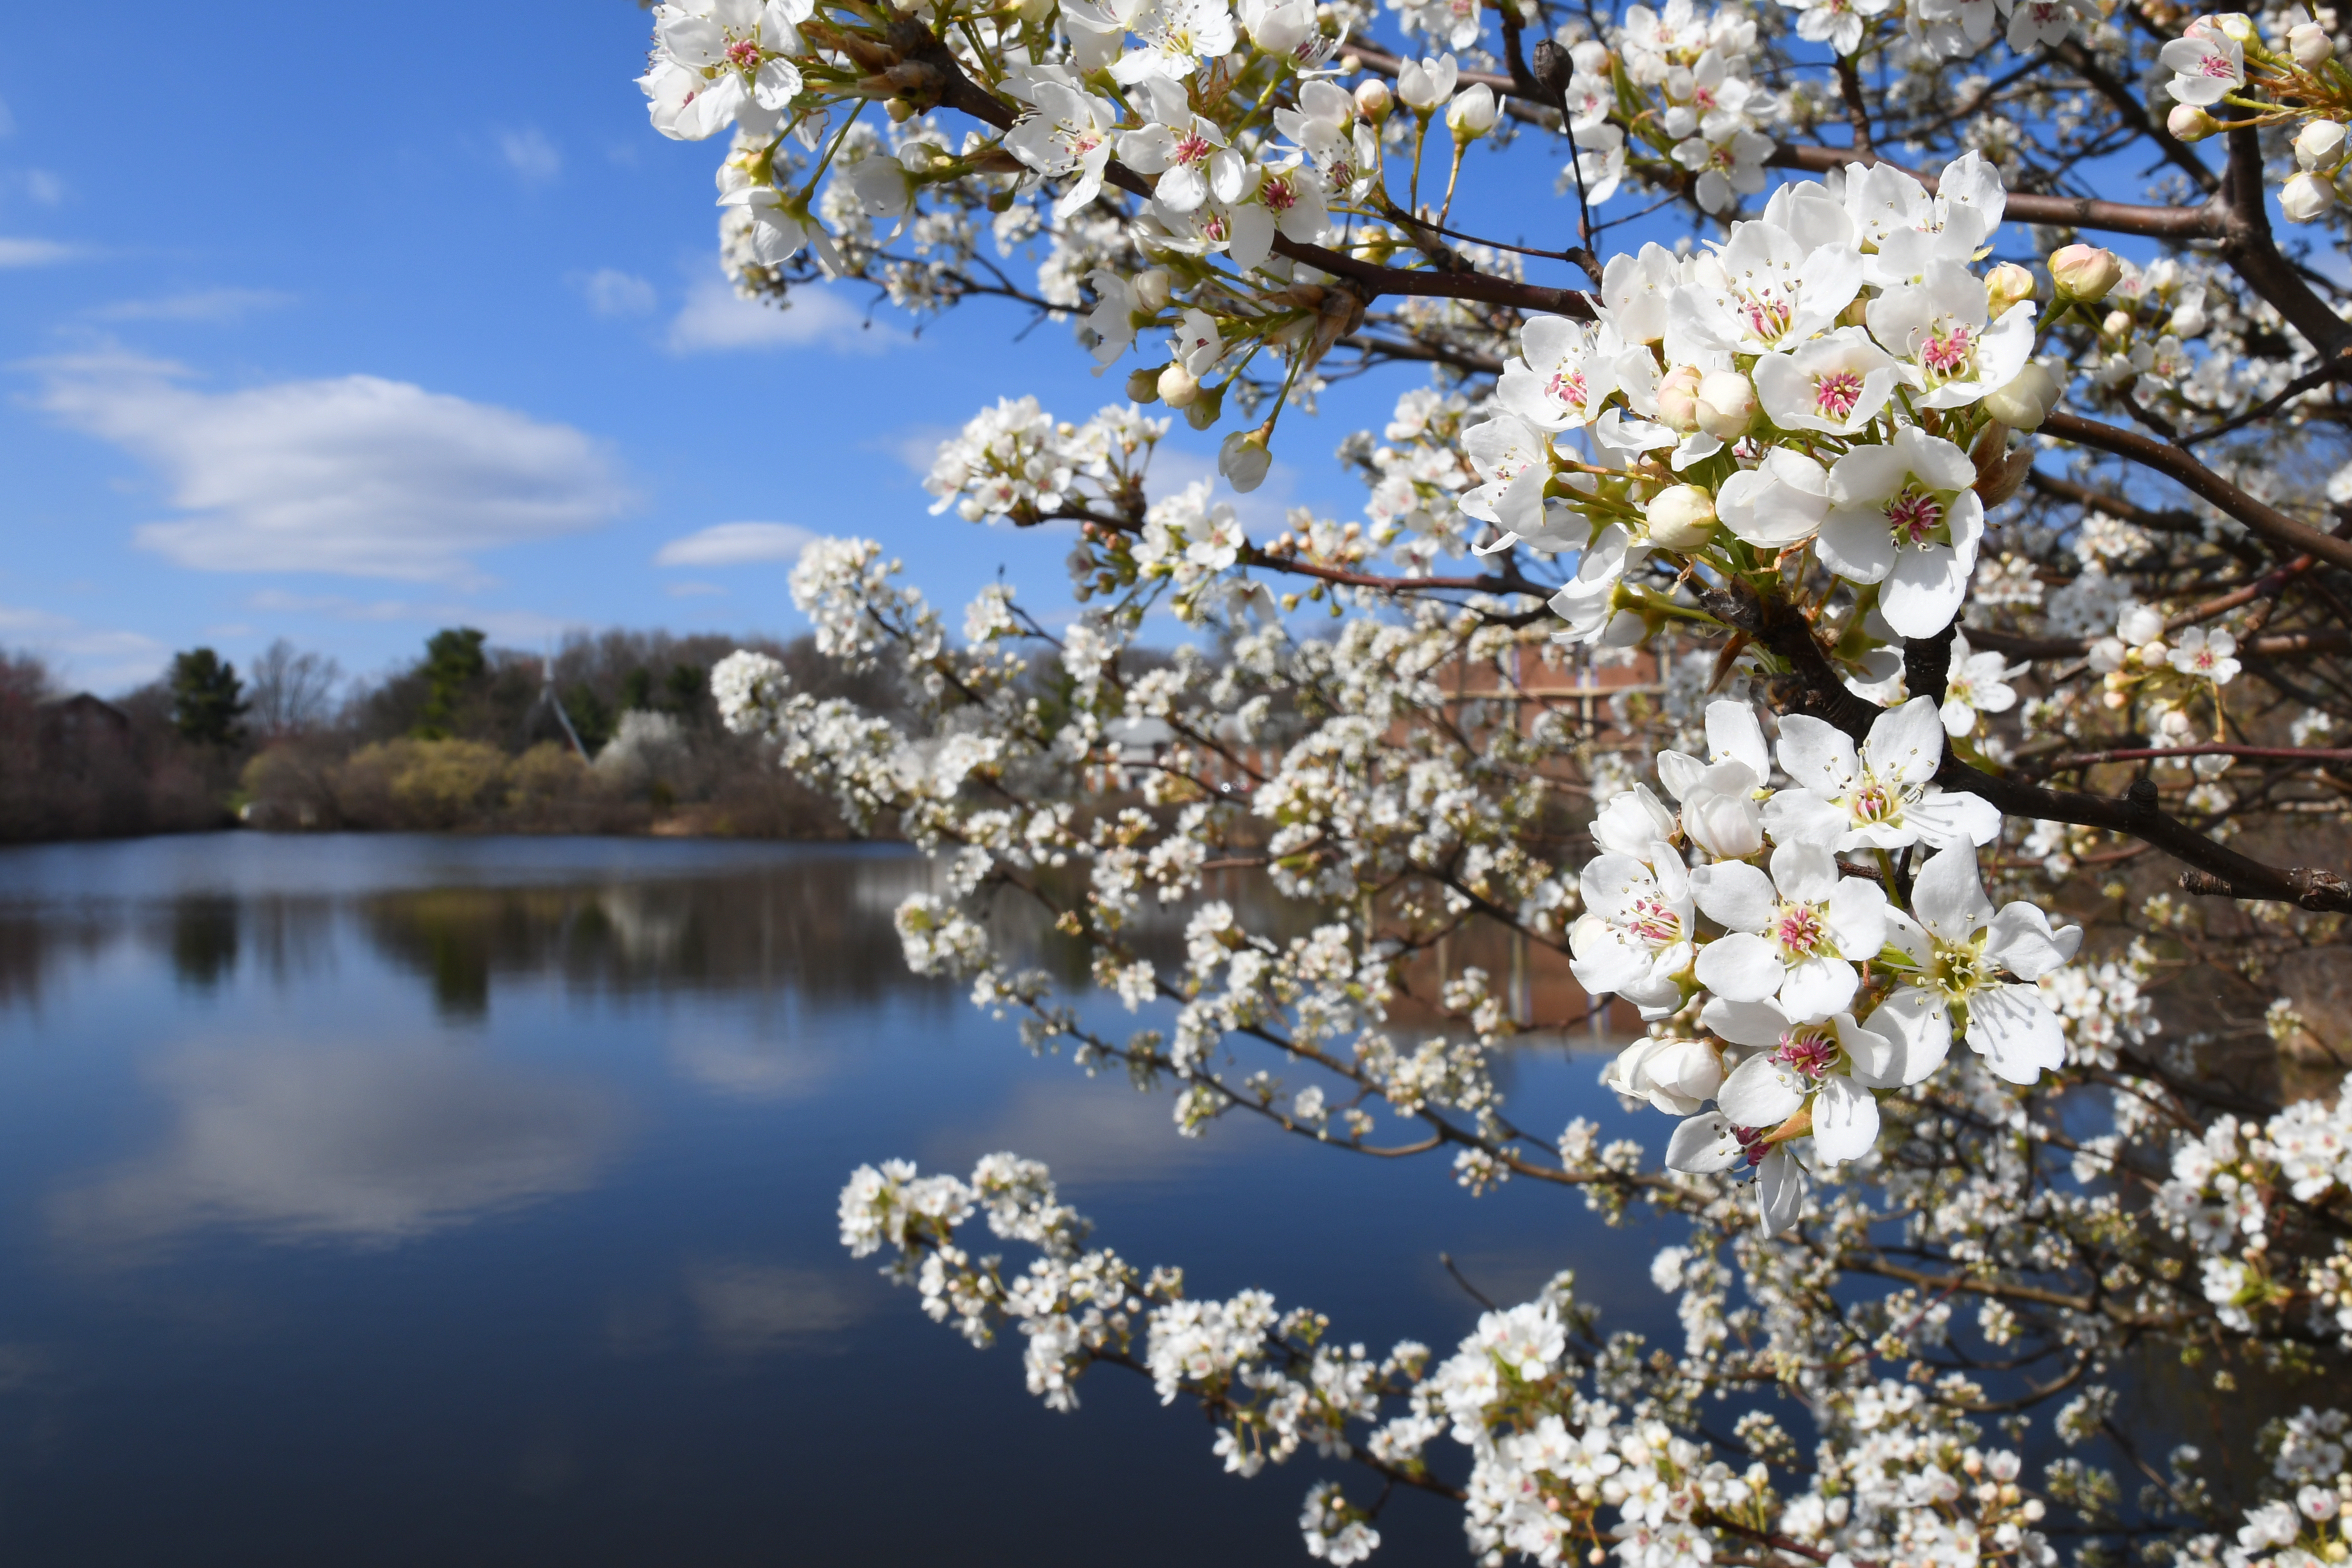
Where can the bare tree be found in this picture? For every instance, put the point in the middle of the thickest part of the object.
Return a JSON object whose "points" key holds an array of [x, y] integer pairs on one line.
{"points": [[292, 692]]}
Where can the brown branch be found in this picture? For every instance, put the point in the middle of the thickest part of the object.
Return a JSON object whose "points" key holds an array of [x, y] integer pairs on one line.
{"points": [[2212, 749], [2177, 465]]}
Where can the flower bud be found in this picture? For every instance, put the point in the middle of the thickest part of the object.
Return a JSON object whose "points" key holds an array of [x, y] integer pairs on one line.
{"points": [[2106, 655], [2084, 272], [2118, 324], [2026, 401], [2153, 654], [2305, 197], [2189, 123], [1151, 288], [1372, 100], [1472, 113], [2239, 28], [1178, 386], [1143, 386], [1679, 399], [2007, 285], [2309, 44], [2320, 144], [899, 110], [1725, 404], [1205, 407], [1682, 518], [1244, 459], [1376, 250]]}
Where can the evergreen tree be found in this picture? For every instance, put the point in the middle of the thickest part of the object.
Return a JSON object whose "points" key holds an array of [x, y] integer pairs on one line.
{"points": [[207, 699], [454, 665]]}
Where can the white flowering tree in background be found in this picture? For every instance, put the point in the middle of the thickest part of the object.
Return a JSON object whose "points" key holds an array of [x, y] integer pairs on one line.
{"points": [[2006, 597]]}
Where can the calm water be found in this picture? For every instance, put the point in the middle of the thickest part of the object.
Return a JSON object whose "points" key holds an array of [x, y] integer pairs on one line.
{"points": [[405, 1200]]}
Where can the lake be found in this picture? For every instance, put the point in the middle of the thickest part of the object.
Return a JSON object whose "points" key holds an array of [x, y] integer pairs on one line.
{"points": [[384, 1199]]}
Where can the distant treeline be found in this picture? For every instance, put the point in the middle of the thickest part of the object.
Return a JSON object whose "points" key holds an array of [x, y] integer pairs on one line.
{"points": [[616, 733]]}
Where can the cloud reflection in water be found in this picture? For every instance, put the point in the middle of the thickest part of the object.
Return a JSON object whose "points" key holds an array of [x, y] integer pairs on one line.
{"points": [[367, 1145]]}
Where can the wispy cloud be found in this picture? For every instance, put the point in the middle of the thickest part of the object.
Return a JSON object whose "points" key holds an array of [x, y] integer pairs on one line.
{"points": [[35, 252], [196, 305], [530, 154], [610, 292], [42, 186], [92, 654], [521, 627], [358, 475], [716, 320], [735, 544]]}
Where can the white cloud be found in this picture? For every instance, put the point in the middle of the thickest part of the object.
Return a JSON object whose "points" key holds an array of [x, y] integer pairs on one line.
{"points": [[357, 476], [82, 654], [35, 252], [611, 292], [735, 544], [44, 187], [716, 320], [197, 305], [530, 154]]}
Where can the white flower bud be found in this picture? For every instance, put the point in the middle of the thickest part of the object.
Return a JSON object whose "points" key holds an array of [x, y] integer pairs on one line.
{"points": [[2084, 272], [1725, 404], [1372, 100], [1470, 115], [2139, 624], [1151, 288], [1426, 84], [2309, 44], [2117, 324], [2238, 28], [2106, 655], [1244, 459], [2305, 197], [2007, 285], [1143, 386], [2190, 123], [2320, 144], [2026, 401], [1178, 387], [1681, 518], [1679, 399]]}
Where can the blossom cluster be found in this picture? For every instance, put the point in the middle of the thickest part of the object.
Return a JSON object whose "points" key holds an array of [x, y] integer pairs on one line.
{"points": [[1790, 1043]]}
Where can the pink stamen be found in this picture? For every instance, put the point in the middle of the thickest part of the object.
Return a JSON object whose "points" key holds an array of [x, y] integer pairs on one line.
{"points": [[1567, 387], [1279, 195], [1194, 148], [1809, 1048], [1914, 517], [1801, 928], [1655, 923], [1836, 393], [1768, 318], [2219, 66], [1752, 1147], [1947, 352], [1875, 803], [744, 53]]}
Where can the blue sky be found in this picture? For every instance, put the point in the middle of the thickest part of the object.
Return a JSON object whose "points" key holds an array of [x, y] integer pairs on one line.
{"points": [[347, 330]]}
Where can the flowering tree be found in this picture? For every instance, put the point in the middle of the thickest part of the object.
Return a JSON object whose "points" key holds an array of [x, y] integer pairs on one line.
{"points": [[2001, 592]]}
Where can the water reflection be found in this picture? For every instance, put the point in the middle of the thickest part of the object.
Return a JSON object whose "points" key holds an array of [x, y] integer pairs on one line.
{"points": [[390, 1200], [364, 1144], [204, 940]]}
